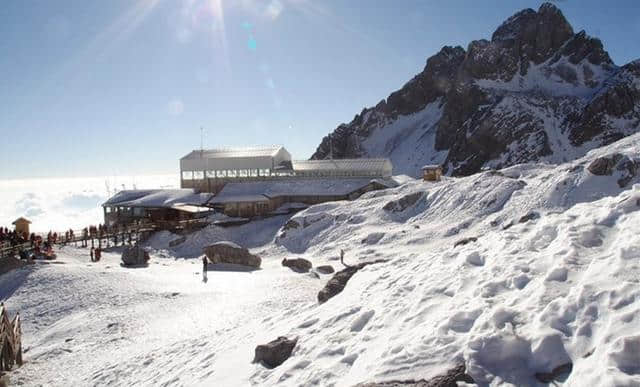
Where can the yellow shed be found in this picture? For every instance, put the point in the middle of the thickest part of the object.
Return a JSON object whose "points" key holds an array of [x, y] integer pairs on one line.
{"points": [[431, 172], [22, 225]]}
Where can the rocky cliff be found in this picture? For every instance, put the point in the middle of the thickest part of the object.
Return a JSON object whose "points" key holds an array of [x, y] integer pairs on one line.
{"points": [[536, 91]]}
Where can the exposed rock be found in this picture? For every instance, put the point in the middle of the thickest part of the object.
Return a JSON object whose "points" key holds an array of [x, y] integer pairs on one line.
{"points": [[449, 379], [605, 166], [229, 252], [177, 241], [403, 203], [300, 265], [483, 106], [339, 280], [134, 256], [530, 216], [548, 377], [275, 352], [464, 241], [325, 269]]}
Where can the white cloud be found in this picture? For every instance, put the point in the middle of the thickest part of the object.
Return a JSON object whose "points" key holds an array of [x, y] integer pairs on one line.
{"points": [[63, 203]]}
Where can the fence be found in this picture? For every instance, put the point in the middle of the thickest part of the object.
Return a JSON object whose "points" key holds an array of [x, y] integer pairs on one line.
{"points": [[10, 340]]}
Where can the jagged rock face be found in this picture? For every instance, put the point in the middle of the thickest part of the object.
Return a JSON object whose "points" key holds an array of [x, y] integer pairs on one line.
{"points": [[535, 92]]}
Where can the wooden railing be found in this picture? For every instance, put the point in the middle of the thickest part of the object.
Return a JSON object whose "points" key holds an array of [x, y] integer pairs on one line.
{"points": [[104, 239], [10, 340]]}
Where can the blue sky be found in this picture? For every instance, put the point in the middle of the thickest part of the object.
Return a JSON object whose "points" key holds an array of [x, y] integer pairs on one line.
{"points": [[94, 88]]}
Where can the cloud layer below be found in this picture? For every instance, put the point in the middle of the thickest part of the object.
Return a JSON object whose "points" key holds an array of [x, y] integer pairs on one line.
{"points": [[63, 203]]}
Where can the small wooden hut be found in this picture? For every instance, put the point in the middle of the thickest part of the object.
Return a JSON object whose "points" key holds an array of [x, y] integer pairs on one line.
{"points": [[22, 225], [431, 172]]}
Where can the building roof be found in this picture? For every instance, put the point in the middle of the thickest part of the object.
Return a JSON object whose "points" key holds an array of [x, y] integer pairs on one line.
{"points": [[341, 164], [246, 152], [21, 219], [432, 166], [297, 187], [238, 199], [157, 198]]}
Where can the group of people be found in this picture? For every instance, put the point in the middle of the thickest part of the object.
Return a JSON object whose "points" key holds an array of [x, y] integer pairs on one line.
{"points": [[12, 237]]}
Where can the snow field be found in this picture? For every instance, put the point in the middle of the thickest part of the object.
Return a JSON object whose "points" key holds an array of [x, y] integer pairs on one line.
{"points": [[553, 277]]}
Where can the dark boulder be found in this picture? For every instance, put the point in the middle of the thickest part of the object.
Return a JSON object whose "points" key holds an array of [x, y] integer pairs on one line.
{"points": [[300, 265], [464, 241], [325, 269], [339, 280], [530, 216], [448, 379], [229, 252], [606, 165], [275, 352]]}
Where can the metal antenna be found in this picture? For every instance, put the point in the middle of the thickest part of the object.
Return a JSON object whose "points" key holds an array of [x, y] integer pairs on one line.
{"points": [[201, 141]]}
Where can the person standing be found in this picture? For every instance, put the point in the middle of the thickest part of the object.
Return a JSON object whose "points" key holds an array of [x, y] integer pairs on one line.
{"points": [[205, 264]]}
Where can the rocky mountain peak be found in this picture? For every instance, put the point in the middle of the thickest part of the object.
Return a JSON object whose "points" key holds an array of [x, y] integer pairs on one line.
{"points": [[535, 91]]}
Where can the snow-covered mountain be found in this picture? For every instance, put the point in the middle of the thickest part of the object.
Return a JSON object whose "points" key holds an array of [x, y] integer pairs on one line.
{"points": [[536, 91], [508, 272]]}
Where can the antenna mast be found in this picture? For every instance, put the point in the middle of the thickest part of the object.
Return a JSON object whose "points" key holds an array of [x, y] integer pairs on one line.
{"points": [[201, 141]]}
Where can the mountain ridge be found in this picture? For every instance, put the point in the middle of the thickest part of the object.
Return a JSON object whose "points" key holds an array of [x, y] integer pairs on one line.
{"points": [[536, 91]]}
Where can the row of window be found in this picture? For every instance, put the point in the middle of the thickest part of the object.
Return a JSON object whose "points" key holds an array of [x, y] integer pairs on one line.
{"points": [[230, 173], [243, 173]]}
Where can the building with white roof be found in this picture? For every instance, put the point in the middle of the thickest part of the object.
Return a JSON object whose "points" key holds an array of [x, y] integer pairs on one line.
{"points": [[209, 170], [248, 182]]}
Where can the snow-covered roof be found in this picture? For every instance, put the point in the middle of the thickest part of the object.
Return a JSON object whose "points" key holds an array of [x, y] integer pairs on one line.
{"points": [[157, 198], [431, 166], [238, 199], [246, 152], [342, 164], [297, 187]]}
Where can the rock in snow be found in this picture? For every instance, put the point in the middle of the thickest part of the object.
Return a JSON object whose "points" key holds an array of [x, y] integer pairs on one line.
{"points": [[339, 280], [536, 91], [229, 252], [275, 352], [325, 269], [448, 379], [300, 265]]}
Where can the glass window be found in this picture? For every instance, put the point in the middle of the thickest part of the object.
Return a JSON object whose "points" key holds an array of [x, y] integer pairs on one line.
{"points": [[198, 175], [211, 174], [232, 173], [187, 175], [221, 173], [243, 173]]}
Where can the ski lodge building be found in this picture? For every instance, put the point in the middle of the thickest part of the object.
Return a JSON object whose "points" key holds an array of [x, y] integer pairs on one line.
{"points": [[250, 182]]}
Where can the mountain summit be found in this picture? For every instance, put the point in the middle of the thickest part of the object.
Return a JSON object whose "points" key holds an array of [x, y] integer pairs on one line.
{"points": [[536, 91]]}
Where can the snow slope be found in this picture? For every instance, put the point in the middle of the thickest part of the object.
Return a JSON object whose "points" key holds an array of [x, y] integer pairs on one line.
{"points": [[562, 287], [553, 277]]}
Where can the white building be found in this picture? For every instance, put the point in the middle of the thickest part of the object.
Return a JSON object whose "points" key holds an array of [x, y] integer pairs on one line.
{"points": [[209, 170]]}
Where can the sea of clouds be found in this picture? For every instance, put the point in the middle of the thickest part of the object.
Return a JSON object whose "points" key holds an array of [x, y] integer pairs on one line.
{"points": [[63, 203]]}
